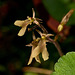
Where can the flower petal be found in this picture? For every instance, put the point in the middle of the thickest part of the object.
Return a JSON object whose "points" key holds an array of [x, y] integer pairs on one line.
{"points": [[45, 54], [66, 17], [37, 59], [19, 23], [30, 60], [47, 35], [30, 44], [36, 22], [22, 31], [33, 13], [36, 51]]}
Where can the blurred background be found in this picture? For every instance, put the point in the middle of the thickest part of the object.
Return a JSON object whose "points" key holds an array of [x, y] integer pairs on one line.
{"points": [[14, 55]]}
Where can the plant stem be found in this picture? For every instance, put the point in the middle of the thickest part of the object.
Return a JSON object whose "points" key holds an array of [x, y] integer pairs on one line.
{"points": [[56, 45], [34, 27], [43, 29], [37, 70], [41, 26]]}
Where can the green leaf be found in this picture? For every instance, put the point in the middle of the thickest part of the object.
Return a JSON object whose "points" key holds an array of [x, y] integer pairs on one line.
{"points": [[59, 8], [65, 65]]}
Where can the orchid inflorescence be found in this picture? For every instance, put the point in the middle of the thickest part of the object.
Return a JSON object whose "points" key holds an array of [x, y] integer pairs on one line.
{"points": [[39, 44]]}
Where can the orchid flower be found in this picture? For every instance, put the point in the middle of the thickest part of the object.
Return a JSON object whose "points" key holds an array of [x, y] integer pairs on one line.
{"points": [[38, 48], [41, 48], [34, 45], [25, 23]]}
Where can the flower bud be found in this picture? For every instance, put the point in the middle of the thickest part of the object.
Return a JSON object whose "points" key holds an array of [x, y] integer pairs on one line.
{"points": [[60, 28]]}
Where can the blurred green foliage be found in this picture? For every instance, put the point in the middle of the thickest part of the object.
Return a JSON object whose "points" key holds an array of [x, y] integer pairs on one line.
{"points": [[30, 73], [59, 8]]}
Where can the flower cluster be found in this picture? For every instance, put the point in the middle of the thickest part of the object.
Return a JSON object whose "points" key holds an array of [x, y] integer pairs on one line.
{"points": [[39, 44]]}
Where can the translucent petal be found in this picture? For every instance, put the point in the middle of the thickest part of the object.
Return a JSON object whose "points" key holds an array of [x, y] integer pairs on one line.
{"points": [[37, 59], [36, 22], [22, 31], [67, 16], [31, 58], [29, 45], [45, 54], [33, 13], [47, 35], [36, 51], [19, 23]]}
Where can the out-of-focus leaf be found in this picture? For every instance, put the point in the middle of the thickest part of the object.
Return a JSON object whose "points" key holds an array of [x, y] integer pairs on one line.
{"points": [[59, 8], [2, 68], [56, 8], [65, 65], [1, 3], [65, 1], [30, 73]]}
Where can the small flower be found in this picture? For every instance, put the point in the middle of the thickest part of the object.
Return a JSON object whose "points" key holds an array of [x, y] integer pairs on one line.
{"points": [[65, 20], [39, 47], [34, 45], [25, 23]]}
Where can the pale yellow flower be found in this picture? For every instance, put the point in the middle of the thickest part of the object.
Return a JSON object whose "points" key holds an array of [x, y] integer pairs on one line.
{"points": [[25, 23], [38, 48], [34, 45], [41, 48]]}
